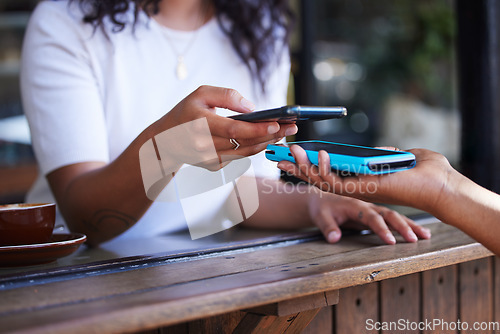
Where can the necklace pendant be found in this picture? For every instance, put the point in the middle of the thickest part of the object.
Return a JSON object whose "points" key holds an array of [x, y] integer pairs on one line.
{"points": [[181, 70]]}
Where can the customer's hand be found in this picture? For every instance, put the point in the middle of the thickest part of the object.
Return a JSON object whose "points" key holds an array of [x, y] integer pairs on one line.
{"points": [[423, 186], [329, 211], [211, 133], [432, 185]]}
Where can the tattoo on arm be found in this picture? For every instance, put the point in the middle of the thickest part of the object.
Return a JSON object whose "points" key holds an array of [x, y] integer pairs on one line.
{"points": [[104, 219]]}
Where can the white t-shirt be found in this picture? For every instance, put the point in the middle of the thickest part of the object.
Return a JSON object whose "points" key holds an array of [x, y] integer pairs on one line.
{"points": [[87, 96]]}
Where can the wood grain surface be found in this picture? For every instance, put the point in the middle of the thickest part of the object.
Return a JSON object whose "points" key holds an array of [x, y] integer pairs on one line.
{"points": [[197, 288], [440, 298]]}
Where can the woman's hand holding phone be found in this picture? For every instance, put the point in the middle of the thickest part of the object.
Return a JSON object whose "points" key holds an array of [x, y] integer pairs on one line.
{"points": [[225, 132]]}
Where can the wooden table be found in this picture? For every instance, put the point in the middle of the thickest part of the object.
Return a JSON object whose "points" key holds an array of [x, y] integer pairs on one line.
{"points": [[279, 284]]}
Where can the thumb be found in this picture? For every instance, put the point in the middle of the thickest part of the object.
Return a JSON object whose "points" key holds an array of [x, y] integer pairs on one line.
{"points": [[218, 97]]}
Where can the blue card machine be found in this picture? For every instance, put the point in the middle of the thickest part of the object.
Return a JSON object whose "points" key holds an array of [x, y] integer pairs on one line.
{"points": [[347, 159]]}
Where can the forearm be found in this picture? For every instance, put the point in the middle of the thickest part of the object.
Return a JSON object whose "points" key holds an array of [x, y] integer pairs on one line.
{"points": [[473, 209], [104, 200], [281, 205]]}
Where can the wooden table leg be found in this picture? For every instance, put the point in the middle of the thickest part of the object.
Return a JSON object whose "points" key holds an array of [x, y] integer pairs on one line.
{"points": [[258, 323], [289, 316]]}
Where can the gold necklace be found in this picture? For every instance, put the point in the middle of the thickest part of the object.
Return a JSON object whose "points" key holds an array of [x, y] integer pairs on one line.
{"points": [[181, 70]]}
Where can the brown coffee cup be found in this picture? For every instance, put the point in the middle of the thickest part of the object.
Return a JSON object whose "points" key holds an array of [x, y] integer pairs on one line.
{"points": [[26, 223]]}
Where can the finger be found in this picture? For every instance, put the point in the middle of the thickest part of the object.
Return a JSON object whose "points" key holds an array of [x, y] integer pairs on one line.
{"points": [[306, 168], [218, 97], [358, 186], [292, 170], [328, 225], [400, 224], [421, 231], [376, 223], [245, 151], [324, 163], [346, 185], [325, 172], [389, 148], [229, 128], [225, 143]]}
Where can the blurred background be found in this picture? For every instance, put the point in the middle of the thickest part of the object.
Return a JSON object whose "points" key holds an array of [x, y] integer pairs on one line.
{"points": [[14, 141], [392, 63], [17, 165]]}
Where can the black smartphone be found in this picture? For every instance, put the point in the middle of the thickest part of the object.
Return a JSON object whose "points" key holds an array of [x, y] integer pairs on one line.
{"points": [[292, 114]]}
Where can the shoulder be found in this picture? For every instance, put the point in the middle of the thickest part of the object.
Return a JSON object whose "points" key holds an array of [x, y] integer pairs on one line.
{"points": [[56, 20], [54, 11], [62, 16], [50, 7]]}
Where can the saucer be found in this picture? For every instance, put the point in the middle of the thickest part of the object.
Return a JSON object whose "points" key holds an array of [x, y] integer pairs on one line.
{"points": [[59, 246]]}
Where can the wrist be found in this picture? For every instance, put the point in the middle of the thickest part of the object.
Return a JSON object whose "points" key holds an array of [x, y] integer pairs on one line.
{"points": [[300, 198], [164, 139], [450, 195], [314, 196]]}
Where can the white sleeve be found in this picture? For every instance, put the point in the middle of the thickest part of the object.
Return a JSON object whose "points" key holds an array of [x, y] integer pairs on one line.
{"points": [[276, 96], [60, 94], [277, 84]]}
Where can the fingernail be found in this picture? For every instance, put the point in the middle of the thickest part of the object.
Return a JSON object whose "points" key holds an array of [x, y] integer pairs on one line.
{"points": [[390, 238], [273, 129], [291, 130], [427, 233], [412, 237], [333, 236], [247, 104]]}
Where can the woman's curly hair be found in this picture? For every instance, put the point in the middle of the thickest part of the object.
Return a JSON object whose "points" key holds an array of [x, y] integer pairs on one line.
{"points": [[250, 24]]}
